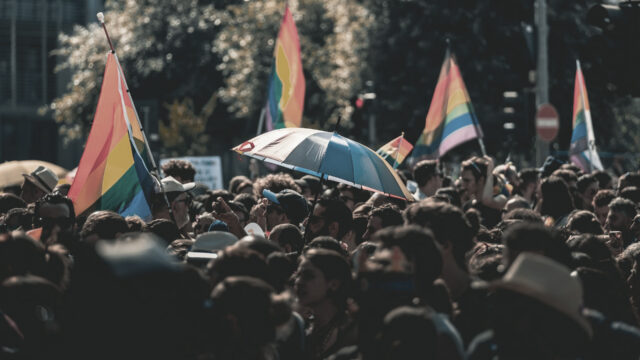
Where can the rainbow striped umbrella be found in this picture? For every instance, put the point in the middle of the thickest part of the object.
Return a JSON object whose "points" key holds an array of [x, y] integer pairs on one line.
{"points": [[328, 156]]}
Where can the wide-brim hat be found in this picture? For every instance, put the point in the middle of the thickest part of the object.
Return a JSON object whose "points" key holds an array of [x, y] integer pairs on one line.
{"points": [[170, 184], [546, 281], [43, 178]]}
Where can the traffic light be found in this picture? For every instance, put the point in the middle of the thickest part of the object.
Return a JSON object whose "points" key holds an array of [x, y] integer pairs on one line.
{"points": [[616, 48], [517, 111]]}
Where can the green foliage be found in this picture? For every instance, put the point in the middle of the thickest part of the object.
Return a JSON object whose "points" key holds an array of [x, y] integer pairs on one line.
{"points": [[180, 52], [333, 41], [165, 48]]}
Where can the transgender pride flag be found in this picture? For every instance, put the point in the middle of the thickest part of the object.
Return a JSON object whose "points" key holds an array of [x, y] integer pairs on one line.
{"points": [[286, 85], [583, 145], [451, 119]]}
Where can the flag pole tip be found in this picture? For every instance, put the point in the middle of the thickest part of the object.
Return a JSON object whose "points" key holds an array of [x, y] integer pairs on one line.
{"points": [[100, 17]]}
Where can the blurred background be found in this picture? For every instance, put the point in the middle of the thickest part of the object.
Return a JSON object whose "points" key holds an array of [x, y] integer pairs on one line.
{"points": [[198, 71]]}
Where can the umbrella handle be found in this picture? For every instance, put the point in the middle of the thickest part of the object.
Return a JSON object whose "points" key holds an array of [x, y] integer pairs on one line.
{"points": [[246, 146]]}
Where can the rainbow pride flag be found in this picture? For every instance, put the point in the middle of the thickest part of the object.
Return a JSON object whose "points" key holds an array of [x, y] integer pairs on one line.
{"points": [[395, 151], [583, 145], [451, 119], [112, 174], [286, 85]]}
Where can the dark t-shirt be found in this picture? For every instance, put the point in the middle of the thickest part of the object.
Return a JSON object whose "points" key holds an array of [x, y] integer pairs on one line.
{"points": [[490, 216]]}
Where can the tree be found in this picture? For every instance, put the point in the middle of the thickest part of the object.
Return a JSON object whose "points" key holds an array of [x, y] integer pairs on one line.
{"points": [[165, 48], [333, 41]]}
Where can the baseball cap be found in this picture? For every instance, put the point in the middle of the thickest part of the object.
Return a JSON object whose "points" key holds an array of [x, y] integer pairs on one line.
{"points": [[294, 204]]}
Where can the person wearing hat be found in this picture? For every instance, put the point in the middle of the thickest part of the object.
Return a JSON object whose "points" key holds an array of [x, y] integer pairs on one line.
{"points": [[538, 313], [37, 184], [285, 207], [179, 200]]}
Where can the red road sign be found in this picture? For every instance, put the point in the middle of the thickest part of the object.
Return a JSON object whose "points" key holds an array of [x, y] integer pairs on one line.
{"points": [[547, 123]]}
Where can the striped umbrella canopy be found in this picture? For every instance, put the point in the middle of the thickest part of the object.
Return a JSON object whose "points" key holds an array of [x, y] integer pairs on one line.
{"points": [[326, 155]]}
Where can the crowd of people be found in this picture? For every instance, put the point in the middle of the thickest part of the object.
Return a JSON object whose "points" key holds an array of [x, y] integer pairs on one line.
{"points": [[499, 263]]}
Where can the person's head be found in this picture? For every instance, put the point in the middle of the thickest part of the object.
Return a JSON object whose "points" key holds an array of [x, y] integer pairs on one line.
{"points": [[515, 202], [538, 311], [428, 176], [600, 204], [275, 183], [382, 217], [449, 225], [20, 255], [628, 179], [537, 238], [528, 182], [556, 199], [37, 184], [242, 317], [409, 333], [164, 229], [240, 210], [550, 165], [523, 214], [236, 181], [313, 184], [330, 217], [453, 195], [569, 177], [473, 174], [621, 214], [181, 170], [485, 261], [587, 188], [54, 213], [605, 180], [584, 222], [10, 201], [103, 224], [237, 261], [632, 193], [179, 199], [248, 200], [417, 245], [288, 236], [202, 223], [603, 295], [135, 223], [629, 263], [285, 207], [323, 276], [351, 196], [19, 218], [328, 243]]}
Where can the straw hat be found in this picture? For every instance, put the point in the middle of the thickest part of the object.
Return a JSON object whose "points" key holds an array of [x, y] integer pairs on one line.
{"points": [[547, 281], [44, 178]]}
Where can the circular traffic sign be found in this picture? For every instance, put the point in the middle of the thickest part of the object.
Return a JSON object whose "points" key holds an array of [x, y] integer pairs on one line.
{"points": [[547, 123]]}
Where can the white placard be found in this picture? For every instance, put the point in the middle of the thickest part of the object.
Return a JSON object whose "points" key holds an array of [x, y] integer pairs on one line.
{"points": [[208, 169]]}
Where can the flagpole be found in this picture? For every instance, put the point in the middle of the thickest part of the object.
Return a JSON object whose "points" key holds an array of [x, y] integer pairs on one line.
{"points": [[590, 142], [261, 121], [154, 167]]}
